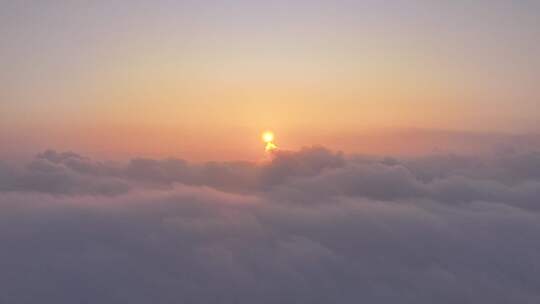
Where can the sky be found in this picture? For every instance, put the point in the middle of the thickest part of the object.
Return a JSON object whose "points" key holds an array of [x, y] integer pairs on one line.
{"points": [[404, 166], [203, 79]]}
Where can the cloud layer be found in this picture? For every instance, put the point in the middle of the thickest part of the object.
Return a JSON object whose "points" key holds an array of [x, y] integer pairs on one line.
{"points": [[308, 226]]}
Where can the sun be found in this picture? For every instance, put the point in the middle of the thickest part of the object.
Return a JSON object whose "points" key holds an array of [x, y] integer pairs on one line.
{"points": [[268, 137]]}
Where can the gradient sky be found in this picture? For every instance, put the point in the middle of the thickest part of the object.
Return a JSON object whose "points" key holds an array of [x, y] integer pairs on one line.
{"points": [[132, 168], [203, 78]]}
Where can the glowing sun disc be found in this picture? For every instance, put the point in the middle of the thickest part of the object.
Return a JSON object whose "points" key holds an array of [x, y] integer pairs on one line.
{"points": [[268, 137]]}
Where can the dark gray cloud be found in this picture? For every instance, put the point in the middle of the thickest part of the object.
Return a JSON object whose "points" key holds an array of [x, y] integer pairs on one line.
{"points": [[311, 226]]}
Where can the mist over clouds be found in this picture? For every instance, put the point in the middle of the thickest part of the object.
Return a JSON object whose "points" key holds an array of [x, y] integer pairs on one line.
{"points": [[307, 226]]}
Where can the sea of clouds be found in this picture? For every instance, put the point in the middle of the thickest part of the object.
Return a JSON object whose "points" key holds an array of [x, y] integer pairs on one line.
{"points": [[307, 226]]}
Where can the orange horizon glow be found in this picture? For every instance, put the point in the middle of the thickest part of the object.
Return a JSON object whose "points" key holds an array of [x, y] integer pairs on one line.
{"points": [[114, 142]]}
